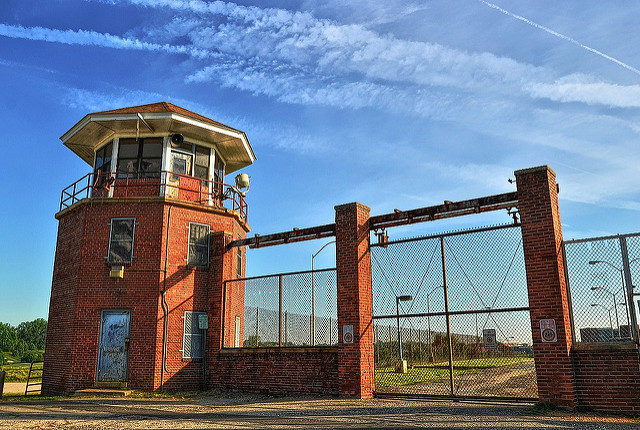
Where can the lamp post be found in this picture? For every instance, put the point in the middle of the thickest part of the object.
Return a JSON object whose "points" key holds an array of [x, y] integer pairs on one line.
{"points": [[398, 300], [627, 287], [608, 311], [615, 306], [626, 301], [429, 322], [313, 296]]}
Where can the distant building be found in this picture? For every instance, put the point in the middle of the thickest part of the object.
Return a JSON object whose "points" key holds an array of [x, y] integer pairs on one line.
{"points": [[598, 334]]}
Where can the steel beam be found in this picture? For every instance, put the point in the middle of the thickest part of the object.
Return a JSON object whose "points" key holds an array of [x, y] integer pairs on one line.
{"points": [[428, 213]]}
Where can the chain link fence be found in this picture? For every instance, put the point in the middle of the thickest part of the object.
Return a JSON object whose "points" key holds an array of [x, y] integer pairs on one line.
{"points": [[290, 309], [601, 275], [455, 307]]}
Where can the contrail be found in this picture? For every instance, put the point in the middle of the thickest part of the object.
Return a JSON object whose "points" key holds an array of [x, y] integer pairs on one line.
{"points": [[561, 36]]}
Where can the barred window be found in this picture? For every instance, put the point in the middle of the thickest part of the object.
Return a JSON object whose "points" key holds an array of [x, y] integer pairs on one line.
{"points": [[198, 245], [192, 339], [121, 240]]}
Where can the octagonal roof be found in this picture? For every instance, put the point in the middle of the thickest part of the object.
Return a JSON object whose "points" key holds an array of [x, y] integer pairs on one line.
{"points": [[161, 118]]}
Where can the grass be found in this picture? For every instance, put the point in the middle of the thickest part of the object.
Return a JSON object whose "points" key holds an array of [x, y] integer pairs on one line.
{"points": [[18, 372], [387, 376]]}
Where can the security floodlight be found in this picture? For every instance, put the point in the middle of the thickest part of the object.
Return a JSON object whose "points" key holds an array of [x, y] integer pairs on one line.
{"points": [[242, 182]]}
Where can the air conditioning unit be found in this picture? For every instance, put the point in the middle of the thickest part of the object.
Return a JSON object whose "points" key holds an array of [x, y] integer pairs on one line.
{"points": [[116, 272]]}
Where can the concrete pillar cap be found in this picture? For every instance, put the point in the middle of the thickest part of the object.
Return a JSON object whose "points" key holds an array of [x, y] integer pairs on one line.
{"points": [[543, 168]]}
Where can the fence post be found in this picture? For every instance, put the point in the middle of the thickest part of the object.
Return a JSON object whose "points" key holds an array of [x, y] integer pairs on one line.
{"points": [[257, 319], [2, 375], [448, 317], [355, 309], [548, 299], [279, 310], [628, 287]]}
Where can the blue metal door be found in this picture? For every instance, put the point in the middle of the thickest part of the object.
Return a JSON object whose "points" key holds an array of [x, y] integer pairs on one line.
{"points": [[113, 348]]}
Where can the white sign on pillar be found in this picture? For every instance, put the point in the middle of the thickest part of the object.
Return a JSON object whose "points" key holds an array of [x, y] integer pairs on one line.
{"points": [[548, 331], [347, 334]]}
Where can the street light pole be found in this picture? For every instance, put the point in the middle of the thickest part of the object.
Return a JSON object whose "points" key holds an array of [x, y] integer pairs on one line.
{"points": [[615, 306], [313, 295], [608, 311], [429, 321], [627, 287], [398, 300]]}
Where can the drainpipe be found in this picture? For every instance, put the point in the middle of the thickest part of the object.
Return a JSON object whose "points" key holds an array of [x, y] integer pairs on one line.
{"points": [[165, 307]]}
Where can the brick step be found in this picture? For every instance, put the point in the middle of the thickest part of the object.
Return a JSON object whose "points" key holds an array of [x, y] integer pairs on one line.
{"points": [[102, 392], [121, 385]]}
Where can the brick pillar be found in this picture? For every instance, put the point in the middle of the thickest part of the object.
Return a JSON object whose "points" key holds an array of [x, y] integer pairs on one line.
{"points": [[353, 265], [542, 244]]}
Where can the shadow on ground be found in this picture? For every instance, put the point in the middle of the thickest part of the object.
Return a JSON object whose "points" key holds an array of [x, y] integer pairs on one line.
{"points": [[232, 410]]}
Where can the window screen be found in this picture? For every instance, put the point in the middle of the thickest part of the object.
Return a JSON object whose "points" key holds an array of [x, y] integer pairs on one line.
{"points": [[140, 158], [121, 240], [198, 245], [201, 167], [218, 175], [103, 159], [192, 339]]}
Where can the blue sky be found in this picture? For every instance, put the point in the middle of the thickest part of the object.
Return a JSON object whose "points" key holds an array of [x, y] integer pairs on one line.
{"points": [[393, 104]]}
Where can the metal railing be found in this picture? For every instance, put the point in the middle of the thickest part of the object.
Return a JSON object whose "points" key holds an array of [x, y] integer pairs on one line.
{"points": [[164, 183], [34, 379], [601, 275], [285, 309]]}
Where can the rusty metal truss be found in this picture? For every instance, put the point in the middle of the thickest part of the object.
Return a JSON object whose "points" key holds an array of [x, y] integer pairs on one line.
{"points": [[396, 218]]}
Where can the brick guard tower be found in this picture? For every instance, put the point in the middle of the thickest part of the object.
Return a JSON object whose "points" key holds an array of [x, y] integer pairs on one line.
{"points": [[140, 244]]}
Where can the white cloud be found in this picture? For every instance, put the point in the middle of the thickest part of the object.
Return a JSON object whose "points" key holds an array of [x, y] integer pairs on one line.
{"points": [[93, 38], [580, 90], [275, 134], [296, 58]]}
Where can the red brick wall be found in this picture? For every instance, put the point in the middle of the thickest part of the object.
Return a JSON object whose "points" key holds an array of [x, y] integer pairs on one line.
{"points": [[143, 187], [96, 291], [278, 370], [542, 245], [607, 377], [355, 306], [66, 270], [82, 288], [191, 289]]}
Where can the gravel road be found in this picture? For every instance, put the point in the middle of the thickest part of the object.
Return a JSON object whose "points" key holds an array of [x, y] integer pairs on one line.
{"points": [[239, 411]]}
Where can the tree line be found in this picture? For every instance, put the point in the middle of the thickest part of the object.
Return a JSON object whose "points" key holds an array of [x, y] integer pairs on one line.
{"points": [[24, 342]]}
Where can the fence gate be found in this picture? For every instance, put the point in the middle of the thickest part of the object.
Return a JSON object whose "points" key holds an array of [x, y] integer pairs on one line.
{"points": [[455, 306]]}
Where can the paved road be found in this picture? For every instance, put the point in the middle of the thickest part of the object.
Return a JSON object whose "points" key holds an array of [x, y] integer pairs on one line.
{"points": [[236, 411]]}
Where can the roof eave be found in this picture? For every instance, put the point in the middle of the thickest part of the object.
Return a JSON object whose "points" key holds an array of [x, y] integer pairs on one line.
{"points": [[162, 115]]}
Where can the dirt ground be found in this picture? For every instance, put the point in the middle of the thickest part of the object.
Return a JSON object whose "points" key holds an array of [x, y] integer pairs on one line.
{"points": [[241, 411], [517, 380], [14, 387]]}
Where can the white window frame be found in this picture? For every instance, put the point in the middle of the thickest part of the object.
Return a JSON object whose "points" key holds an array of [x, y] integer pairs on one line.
{"points": [[208, 243], [194, 314], [133, 240], [239, 261]]}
